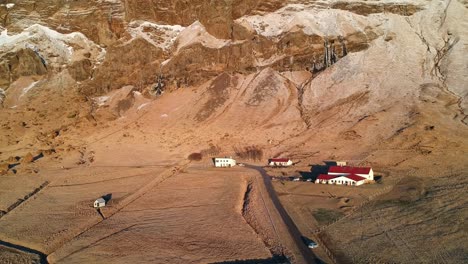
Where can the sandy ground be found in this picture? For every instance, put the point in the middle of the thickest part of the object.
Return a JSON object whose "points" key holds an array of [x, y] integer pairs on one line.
{"points": [[158, 213], [67, 203], [175, 222], [420, 221], [404, 209], [9, 255], [303, 200]]}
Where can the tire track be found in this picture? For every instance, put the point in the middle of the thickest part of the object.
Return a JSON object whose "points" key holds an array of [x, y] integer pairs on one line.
{"points": [[306, 256]]}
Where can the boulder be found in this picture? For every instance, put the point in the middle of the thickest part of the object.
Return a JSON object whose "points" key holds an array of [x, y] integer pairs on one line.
{"points": [[4, 167], [28, 158]]}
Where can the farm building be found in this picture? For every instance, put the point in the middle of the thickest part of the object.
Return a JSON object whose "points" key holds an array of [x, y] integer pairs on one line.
{"points": [[335, 163], [99, 203], [281, 162], [224, 162], [345, 175], [342, 179], [341, 163], [365, 172]]}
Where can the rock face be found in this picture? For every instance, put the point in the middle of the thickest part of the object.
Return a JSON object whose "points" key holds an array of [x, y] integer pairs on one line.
{"points": [[356, 53], [376, 82], [24, 62], [316, 62], [107, 45]]}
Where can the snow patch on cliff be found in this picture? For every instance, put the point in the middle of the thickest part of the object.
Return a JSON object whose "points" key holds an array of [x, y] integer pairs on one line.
{"points": [[102, 100], [313, 21], [162, 36], [26, 89], [196, 33], [56, 48]]}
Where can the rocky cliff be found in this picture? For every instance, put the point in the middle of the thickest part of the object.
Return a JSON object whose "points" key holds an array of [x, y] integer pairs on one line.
{"points": [[312, 64], [114, 82]]}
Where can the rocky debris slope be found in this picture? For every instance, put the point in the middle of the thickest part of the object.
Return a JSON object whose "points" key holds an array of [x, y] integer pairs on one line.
{"points": [[293, 68], [38, 49]]}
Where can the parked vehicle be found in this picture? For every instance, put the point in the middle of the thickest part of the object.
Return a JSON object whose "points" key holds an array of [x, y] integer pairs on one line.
{"points": [[312, 244], [309, 180], [309, 242], [296, 179]]}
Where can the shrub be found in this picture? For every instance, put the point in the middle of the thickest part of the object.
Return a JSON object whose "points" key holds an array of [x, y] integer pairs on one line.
{"points": [[195, 156], [249, 152], [211, 151]]}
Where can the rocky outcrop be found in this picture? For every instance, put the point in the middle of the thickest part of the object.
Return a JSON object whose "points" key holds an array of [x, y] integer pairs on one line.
{"points": [[363, 8], [137, 63], [237, 36], [24, 62], [81, 70], [355, 57]]}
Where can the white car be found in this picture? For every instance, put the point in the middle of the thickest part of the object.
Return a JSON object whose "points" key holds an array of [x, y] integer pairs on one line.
{"points": [[309, 180], [296, 179], [312, 244]]}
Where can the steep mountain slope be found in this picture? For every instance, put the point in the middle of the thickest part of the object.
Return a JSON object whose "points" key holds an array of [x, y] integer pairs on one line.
{"points": [[375, 82]]}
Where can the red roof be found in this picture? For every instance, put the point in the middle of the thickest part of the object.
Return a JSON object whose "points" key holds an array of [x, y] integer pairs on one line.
{"points": [[326, 177], [355, 177], [349, 170], [279, 160]]}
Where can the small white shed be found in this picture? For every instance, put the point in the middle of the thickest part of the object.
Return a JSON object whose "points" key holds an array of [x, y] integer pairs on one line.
{"points": [[224, 162], [99, 203]]}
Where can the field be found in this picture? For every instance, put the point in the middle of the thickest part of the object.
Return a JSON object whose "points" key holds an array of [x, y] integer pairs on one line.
{"points": [[314, 206], [174, 222], [407, 218], [166, 214]]}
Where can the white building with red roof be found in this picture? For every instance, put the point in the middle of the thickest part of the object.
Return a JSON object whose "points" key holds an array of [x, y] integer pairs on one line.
{"points": [[280, 162], [346, 175], [365, 172]]}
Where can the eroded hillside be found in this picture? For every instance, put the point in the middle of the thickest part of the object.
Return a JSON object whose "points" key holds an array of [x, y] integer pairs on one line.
{"points": [[376, 82]]}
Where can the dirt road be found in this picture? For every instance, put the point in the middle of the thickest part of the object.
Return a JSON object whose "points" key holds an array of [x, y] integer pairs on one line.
{"points": [[41, 256], [287, 231]]}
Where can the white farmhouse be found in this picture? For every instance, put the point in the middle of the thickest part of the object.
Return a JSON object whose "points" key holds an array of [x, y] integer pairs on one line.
{"points": [[281, 162], [345, 175], [353, 180], [99, 203], [365, 172], [224, 162]]}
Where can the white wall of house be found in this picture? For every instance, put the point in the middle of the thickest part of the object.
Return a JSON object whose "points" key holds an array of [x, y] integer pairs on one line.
{"points": [[321, 181], [345, 181], [284, 164], [369, 176], [99, 203], [224, 162], [337, 173]]}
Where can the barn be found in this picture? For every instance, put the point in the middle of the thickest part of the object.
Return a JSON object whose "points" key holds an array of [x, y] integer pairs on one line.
{"points": [[353, 180], [346, 175], [365, 172], [280, 162]]}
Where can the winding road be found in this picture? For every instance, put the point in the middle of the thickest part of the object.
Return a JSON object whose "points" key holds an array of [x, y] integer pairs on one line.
{"points": [[302, 253], [42, 256]]}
